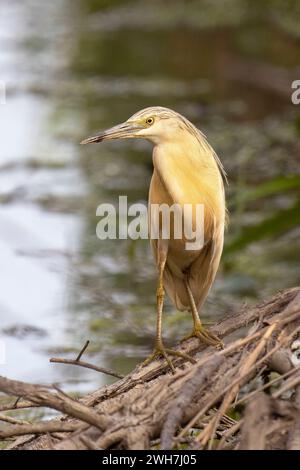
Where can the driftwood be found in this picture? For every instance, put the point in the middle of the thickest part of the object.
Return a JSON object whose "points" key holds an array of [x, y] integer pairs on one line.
{"points": [[227, 400]]}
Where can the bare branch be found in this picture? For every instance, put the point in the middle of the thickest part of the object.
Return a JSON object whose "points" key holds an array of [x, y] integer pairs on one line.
{"points": [[87, 365], [38, 428]]}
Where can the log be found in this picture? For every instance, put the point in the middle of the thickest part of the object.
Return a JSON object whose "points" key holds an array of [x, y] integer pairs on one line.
{"points": [[152, 408]]}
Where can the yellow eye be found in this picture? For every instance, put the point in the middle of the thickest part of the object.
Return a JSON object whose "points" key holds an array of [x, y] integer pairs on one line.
{"points": [[150, 121]]}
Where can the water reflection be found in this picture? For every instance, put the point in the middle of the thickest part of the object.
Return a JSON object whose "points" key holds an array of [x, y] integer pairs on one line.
{"points": [[71, 71]]}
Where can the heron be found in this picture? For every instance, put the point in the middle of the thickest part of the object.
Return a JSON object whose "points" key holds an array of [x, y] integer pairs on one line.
{"points": [[186, 170]]}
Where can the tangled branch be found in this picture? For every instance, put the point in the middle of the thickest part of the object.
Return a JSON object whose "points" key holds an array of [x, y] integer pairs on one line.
{"points": [[229, 399]]}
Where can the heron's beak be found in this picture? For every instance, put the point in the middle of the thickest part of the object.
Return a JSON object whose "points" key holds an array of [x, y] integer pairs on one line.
{"points": [[126, 130]]}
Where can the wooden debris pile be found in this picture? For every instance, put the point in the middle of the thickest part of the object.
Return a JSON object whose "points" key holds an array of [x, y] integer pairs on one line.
{"points": [[246, 396]]}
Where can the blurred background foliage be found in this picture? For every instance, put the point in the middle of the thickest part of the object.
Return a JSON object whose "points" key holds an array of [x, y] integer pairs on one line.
{"points": [[72, 68]]}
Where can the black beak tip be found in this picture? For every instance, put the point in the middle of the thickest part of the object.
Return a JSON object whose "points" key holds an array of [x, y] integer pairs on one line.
{"points": [[91, 140]]}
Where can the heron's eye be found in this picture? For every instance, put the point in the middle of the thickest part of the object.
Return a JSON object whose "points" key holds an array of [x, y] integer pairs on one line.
{"points": [[150, 121]]}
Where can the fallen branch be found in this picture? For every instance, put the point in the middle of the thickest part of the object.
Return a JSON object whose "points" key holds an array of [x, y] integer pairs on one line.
{"points": [[41, 396], [150, 405]]}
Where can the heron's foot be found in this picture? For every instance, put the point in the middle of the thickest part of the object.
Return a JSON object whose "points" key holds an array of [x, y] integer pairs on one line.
{"points": [[205, 336], [161, 351]]}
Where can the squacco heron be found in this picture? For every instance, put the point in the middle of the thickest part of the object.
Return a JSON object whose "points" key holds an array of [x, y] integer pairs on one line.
{"points": [[186, 171]]}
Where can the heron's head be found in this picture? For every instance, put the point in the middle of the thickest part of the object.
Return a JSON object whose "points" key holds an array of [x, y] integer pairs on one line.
{"points": [[156, 124]]}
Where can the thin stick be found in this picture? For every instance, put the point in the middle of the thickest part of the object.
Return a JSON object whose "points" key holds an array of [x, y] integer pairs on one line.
{"points": [[82, 351], [267, 385], [291, 383], [20, 405], [87, 365], [38, 428], [11, 420], [17, 401], [234, 428]]}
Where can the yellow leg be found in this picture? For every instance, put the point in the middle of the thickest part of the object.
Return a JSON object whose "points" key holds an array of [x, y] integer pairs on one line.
{"points": [[159, 349], [199, 331]]}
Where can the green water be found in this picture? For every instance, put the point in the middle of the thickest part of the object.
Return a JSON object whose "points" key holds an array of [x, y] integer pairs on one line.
{"points": [[72, 68]]}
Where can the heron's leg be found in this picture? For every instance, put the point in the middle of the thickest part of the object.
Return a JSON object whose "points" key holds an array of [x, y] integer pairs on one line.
{"points": [[159, 348], [199, 331]]}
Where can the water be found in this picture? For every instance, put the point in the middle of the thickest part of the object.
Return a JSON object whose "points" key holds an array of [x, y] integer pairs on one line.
{"points": [[72, 68]]}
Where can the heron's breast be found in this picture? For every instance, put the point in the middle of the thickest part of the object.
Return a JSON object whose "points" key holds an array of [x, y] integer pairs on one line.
{"points": [[178, 256], [188, 211]]}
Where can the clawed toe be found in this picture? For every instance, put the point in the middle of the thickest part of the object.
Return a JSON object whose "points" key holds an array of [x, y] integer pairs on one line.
{"points": [[206, 337], [161, 351]]}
